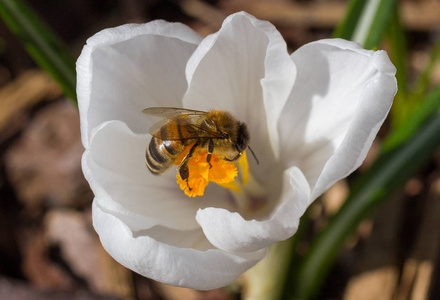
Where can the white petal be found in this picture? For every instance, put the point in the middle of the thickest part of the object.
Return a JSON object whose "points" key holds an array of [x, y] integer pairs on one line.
{"points": [[230, 232], [115, 167], [125, 69], [244, 69], [170, 264], [341, 97], [363, 129]]}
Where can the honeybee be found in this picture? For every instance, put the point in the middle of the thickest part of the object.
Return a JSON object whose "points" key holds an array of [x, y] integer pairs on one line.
{"points": [[180, 128]]}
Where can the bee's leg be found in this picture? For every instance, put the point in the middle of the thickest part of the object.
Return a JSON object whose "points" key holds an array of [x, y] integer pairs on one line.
{"points": [[235, 158], [239, 153], [183, 167], [184, 173], [210, 150], [191, 152]]}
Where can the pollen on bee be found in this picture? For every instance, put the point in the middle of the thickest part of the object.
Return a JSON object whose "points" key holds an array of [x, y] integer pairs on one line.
{"points": [[221, 171]]}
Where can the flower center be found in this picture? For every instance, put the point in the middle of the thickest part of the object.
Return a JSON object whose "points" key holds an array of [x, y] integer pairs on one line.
{"points": [[220, 171]]}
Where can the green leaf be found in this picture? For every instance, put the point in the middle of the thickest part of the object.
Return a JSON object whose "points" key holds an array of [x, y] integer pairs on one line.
{"points": [[41, 43], [373, 22], [388, 173], [428, 106], [414, 105], [398, 53], [379, 23], [346, 28], [424, 80]]}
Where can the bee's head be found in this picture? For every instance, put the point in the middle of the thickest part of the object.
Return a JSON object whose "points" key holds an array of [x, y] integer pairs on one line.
{"points": [[242, 140]]}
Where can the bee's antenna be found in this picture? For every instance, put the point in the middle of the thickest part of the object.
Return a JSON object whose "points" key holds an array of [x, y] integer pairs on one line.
{"points": [[253, 154]]}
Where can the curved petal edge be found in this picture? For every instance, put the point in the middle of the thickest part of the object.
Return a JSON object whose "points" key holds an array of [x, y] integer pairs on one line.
{"points": [[231, 232], [185, 267]]}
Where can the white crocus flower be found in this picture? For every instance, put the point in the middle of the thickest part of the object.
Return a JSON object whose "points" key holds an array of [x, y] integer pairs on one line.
{"points": [[312, 117]]}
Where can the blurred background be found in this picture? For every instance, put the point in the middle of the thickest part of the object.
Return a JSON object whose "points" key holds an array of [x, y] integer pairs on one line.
{"points": [[48, 248]]}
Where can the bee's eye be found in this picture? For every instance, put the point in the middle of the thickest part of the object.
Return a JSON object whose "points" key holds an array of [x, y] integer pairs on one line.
{"points": [[242, 138]]}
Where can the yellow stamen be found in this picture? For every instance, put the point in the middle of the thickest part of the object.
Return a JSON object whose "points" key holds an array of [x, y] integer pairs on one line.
{"points": [[243, 165], [222, 172]]}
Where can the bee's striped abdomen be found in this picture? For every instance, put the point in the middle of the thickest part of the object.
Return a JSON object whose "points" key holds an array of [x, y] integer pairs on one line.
{"points": [[167, 143], [161, 154]]}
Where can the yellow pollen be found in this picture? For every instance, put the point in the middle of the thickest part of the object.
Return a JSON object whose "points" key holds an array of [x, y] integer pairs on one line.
{"points": [[222, 172]]}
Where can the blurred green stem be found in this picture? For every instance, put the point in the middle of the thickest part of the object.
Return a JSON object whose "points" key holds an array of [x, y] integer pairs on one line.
{"points": [[373, 22], [424, 80], [41, 43], [413, 104], [346, 28], [398, 53], [398, 135]]}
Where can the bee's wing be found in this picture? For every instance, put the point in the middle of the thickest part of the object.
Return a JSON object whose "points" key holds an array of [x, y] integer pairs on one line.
{"points": [[190, 131], [171, 112], [189, 124], [156, 126]]}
